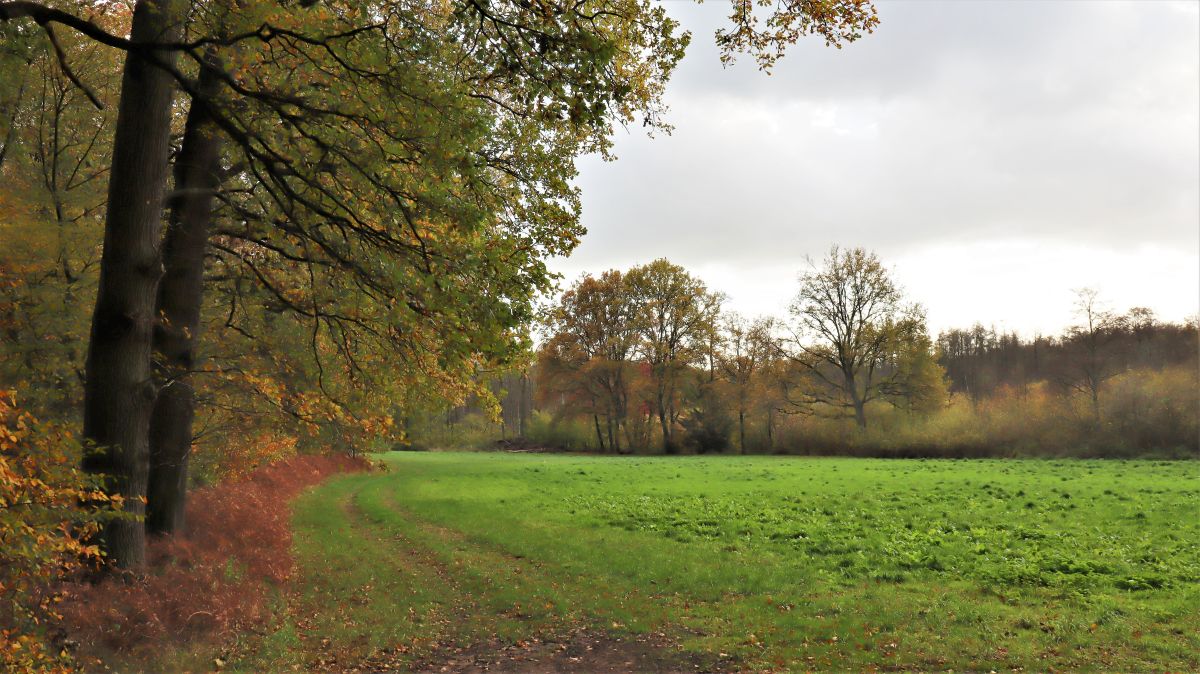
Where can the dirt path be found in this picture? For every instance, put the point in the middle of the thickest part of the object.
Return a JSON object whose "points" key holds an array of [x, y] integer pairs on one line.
{"points": [[583, 651]]}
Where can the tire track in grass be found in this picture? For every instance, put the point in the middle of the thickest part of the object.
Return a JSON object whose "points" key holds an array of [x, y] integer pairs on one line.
{"points": [[695, 626], [520, 614], [351, 599], [745, 628], [385, 590]]}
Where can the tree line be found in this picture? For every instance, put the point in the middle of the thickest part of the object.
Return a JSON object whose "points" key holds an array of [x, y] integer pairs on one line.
{"points": [[647, 359], [652, 347]]}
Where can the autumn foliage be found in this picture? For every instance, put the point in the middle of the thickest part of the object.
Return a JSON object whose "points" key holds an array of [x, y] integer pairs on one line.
{"points": [[212, 581], [204, 584], [43, 531]]}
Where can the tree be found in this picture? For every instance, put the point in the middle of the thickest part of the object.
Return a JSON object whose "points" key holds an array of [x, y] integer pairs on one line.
{"points": [[1089, 347], [57, 150], [849, 322], [197, 173], [413, 191], [767, 35], [595, 333], [677, 318], [748, 348], [118, 393], [920, 383], [707, 424]]}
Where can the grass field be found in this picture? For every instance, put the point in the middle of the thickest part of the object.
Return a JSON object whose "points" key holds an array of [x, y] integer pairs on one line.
{"points": [[770, 563]]}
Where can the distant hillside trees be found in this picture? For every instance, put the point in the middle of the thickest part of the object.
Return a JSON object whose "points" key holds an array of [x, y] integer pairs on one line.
{"points": [[981, 362]]}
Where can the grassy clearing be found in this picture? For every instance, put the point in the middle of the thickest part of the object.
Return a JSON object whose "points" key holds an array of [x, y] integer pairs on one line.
{"points": [[782, 563]]}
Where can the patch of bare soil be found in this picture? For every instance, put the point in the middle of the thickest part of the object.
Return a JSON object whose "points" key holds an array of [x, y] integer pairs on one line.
{"points": [[583, 651], [523, 446]]}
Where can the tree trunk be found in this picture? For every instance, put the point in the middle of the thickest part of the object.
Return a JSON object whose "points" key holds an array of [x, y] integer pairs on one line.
{"points": [[599, 435], [12, 120], [119, 392], [742, 431], [668, 447], [860, 414], [180, 295], [522, 408]]}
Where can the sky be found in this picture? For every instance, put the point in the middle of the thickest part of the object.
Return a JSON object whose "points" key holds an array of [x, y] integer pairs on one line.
{"points": [[995, 155]]}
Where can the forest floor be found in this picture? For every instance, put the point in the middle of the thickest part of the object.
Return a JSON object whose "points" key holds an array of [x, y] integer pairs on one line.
{"points": [[462, 562]]}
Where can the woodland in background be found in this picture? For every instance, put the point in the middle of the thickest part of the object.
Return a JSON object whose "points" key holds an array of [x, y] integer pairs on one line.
{"points": [[608, 378]]}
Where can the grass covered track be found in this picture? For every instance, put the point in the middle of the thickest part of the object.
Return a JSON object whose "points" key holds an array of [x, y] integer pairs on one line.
{"points": [[773, 563]]}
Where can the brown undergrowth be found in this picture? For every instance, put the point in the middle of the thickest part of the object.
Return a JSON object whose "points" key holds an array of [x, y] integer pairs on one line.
{"points": [[208, 584]]}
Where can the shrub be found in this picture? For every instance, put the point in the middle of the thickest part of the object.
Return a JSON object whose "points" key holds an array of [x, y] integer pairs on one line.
{"points": [[708, 426], [571, 434], [1145, 412], [215, 578], [43, 531]]}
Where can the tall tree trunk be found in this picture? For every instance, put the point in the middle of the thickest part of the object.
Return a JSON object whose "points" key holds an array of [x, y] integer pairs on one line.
{"points": [[599, 435], [10, 133], [180, 295], [619, 411], [119, 391]]}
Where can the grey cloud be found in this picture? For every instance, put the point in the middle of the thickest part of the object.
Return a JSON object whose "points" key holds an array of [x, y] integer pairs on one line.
{"points": [[1064, 122]]}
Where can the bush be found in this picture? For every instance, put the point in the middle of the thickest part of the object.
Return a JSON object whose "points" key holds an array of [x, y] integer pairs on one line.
{"points": [[708, 425], [569, 434], [212, 581], [1143, 413], [43, 532]]}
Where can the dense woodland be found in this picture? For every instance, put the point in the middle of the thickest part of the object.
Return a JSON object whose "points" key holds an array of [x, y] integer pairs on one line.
{"points": [[646, 361]]}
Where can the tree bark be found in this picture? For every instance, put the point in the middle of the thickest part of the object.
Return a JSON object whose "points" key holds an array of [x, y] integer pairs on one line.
{"points": [[119, 392], [664, 416], [860, 412], [668, 447], [742, 431], [12, 121], [180, 296], [599, 435]]}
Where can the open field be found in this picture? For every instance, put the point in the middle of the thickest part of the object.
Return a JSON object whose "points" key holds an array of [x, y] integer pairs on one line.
{"points": [[755, 563]]}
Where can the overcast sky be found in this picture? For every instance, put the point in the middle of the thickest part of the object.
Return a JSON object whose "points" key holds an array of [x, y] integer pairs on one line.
{"points": [[995, 155]]}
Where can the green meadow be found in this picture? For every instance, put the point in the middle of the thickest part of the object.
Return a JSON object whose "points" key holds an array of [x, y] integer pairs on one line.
{"points": [[769, 563]]}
